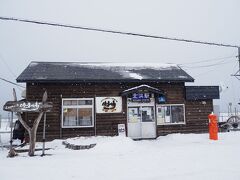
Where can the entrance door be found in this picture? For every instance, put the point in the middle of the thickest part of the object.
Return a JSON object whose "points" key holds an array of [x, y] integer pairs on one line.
{"points": [[148, 124], [141, 122]]}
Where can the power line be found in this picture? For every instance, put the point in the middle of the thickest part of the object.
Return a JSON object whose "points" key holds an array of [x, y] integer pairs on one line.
{"points": [[126, 33], [11, 82], [115, 32], [9, 69], [206, 66], [214, 69], [209, 60]]}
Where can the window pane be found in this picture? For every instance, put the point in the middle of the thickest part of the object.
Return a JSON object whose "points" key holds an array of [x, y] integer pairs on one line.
{"points": [[177, 114], [134, 115], [69, 116], [69, 102], [160, 115], [85, 102], [147, 114], [167, 114], [85, 117], [170, 114]]}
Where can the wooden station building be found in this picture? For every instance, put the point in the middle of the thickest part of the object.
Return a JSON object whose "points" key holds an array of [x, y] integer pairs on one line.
{"points": [[94, 98]]}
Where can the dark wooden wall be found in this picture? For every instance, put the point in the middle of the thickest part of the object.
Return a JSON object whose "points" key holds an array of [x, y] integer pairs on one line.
{"points": [[196, 114], [106, 124]]}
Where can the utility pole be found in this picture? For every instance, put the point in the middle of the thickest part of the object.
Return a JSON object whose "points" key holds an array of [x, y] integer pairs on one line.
{"points": [[239, 59], [237, 74]]}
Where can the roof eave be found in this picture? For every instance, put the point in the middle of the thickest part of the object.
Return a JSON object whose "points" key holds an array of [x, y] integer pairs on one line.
{"points": [[100, 80]]}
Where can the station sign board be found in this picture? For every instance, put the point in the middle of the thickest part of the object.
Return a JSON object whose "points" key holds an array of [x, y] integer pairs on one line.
{"points": [[141, 97]]}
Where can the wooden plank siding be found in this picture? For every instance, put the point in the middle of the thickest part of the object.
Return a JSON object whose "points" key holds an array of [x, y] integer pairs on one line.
{"points": [[196, 117], [106, 124]]}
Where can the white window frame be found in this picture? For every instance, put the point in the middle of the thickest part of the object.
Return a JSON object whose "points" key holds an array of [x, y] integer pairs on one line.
{"points": [[78, 107], [164, 105]]}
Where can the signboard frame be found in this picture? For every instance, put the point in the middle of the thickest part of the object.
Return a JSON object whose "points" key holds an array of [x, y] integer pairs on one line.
{"points": [[111, 104], [27, 106]]}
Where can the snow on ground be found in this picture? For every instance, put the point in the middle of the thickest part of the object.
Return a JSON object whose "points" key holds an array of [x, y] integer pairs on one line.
{"points": [[172, 157]]}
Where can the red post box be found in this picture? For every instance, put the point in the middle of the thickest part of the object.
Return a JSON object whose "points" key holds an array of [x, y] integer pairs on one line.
{"points": [[213, 127]]}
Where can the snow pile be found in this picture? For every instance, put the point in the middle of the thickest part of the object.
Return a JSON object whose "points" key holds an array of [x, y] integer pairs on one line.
{"points": [[105, 144], [126, 70], [172, 157], [135, 76], [126, 66]]}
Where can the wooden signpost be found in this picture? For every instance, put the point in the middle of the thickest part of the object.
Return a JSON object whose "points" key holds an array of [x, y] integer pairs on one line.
{"points": [[29, 106]]}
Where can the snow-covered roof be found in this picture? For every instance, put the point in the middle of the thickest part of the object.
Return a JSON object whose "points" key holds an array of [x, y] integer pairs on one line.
{"points": [[142, 87], [83, 71]]}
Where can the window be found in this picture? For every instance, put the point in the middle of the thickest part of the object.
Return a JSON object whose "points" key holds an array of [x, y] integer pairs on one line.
{"points": [[134, 115], [77, 113], [141, 114], [171, 114]]}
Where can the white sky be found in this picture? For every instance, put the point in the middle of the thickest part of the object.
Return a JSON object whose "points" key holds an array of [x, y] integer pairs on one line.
{"points": [[206, 20]]}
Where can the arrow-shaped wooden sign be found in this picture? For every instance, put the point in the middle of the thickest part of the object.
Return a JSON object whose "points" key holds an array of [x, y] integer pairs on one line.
{"points": [[27, 106]]}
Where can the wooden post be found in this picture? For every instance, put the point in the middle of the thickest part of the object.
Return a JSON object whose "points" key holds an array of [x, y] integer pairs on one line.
{"points": [[44, 139], [11, 152], [11, 134]]}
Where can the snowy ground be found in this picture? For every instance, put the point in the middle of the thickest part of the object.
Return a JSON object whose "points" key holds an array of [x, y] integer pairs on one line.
{"points": [[173, 157]]}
